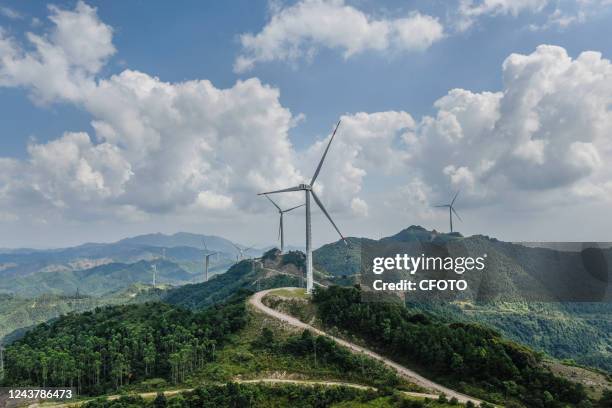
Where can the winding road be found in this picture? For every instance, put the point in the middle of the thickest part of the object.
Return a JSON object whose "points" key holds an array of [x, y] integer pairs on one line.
{"points": [[256, 301]]}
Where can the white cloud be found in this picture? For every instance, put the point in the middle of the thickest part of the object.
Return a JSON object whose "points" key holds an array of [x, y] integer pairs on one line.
{"points": [[556, 14], [159, 147], [359, 207], [63, 62], [298, 31], [365, 143], [546, 132], [10, 13], [469, 10]]}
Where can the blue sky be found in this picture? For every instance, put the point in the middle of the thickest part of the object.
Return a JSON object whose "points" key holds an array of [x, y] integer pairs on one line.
{"points": [[201, 40]]}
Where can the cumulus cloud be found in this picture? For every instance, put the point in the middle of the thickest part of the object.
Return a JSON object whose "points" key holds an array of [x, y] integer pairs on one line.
{"points": [[298, 31], [158, 146], [545, 133], [366, 143], [63, 62]]}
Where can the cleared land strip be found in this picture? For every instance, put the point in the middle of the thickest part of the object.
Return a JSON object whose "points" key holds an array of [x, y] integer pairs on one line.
{"points": [[169, 393]]}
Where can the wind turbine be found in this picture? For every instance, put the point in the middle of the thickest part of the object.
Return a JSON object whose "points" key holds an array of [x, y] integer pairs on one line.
{"points": [[241, 251], [451, 210], [308, 191], [207, 260], [281, 230]]}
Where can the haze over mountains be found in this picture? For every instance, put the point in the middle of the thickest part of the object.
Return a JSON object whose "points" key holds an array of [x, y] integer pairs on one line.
{"points": [[100, 268]]}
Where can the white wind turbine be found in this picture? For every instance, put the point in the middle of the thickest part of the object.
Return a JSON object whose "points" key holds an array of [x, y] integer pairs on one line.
{"points": [[281, 229], [154, 267], [240, 252], [207, 260], [308, 191], [451, 210]]}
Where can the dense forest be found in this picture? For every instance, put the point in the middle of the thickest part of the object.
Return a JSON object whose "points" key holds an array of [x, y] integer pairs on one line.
{"points": [[101, 350], [468, 356]]}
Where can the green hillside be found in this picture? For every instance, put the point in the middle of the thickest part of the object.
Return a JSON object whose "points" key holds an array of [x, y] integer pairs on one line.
{"points": [[18, 314], [247, 274], [580, 331], [96, 281], [472, 358], [100, 351]]}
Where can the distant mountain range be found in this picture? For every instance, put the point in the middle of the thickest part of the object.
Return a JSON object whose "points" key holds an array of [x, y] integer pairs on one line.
{"points": [[184, 249]]}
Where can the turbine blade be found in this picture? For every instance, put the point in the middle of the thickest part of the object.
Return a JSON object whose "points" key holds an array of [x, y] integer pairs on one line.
{"points": [[272, 201], [455, 197], [442, 206], [455, 212], [320, 204], [205, 247], [324, 154], [293, 208], [285, 190]]}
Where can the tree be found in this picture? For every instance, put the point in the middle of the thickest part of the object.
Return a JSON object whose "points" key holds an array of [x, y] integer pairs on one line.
{"points": [[160, 400]]}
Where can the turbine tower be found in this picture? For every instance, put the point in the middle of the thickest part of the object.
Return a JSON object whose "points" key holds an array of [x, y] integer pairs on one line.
{"points": [[207, 260], [154, 267], [308, 191], [451, 210], [281, 230]]}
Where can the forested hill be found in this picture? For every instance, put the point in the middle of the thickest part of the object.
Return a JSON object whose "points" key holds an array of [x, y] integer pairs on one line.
{"points": [[99, 351], [97, 281], [469, 357], [580, 331], [272, 270]]}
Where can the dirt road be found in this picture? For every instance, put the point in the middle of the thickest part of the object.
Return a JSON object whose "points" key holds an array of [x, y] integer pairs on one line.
{"points": [[412, 376]]}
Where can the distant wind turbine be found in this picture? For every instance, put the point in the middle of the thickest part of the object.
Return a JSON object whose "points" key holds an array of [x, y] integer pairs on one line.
{"points": [[281, 230], [308, 191], [154, 267], [451, 210], [240, 252], [207, 260]]}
